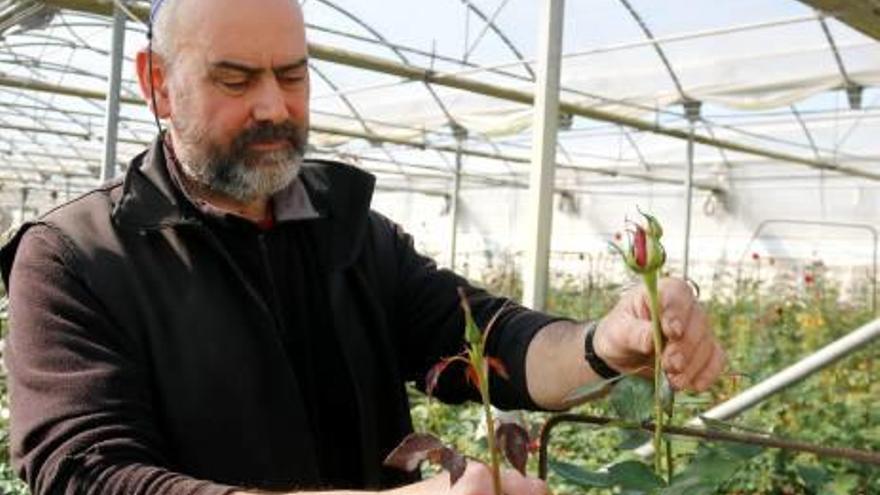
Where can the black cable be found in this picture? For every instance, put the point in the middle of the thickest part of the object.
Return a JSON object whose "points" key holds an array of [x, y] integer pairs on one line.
{"points": [[150, 75]]}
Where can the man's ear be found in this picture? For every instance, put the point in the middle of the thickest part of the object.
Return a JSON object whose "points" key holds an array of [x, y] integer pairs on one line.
{"points": [[153, 77]]}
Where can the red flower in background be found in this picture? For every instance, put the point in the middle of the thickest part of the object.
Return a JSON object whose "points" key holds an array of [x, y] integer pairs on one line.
{"points": [[809, 279], [756, 256]]}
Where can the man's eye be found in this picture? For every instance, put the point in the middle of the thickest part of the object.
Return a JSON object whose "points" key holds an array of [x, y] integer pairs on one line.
{"points": [[235, 85], [291, 79]]}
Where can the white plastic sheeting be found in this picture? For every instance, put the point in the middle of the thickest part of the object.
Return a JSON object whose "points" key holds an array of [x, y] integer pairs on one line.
{"points": [[769, 75]]}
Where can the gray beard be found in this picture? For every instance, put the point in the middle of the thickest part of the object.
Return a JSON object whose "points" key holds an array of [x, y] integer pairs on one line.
{"points": [[239, 172], [259, 175]]}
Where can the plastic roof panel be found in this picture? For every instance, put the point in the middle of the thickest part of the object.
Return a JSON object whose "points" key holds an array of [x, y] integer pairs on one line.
{"points": [[766, 73]]}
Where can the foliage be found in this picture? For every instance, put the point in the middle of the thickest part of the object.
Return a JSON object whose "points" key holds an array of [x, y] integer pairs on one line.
{"points": [[9, 482], [765, 324]]}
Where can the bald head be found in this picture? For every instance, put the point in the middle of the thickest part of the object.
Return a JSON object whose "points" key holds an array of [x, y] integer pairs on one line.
{"points": [[176, 23]]}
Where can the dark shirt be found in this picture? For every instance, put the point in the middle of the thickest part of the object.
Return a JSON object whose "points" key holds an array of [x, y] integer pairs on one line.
{"points": [[281, 260]]}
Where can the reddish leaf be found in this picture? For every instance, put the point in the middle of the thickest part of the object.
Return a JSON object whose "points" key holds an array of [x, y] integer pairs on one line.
{"points": [[498, 367], [419, 447], [434, 373], [472, 376], [491, 324], [453, 462], [414, 449], [513, 440]]}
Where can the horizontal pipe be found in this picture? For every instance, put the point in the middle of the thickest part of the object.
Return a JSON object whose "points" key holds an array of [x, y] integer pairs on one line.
{"points": [[99, 95], [611, 172], [384, 66], [821, 359]]}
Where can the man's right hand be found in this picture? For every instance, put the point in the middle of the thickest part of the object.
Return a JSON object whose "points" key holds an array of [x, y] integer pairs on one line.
{"points": [[477, 480]]}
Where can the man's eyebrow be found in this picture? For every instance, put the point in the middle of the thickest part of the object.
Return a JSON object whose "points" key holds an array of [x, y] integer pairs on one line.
{"points": [[235, 66], [251, 71], [299, 64]]}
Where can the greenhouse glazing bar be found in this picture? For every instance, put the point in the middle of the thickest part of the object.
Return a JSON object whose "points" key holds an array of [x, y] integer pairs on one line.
{"points": [[111, 128], [544, 133], [384, 66], [40, 86], [368, 62]]}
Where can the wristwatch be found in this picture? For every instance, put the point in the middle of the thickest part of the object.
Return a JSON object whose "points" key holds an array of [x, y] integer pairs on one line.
{"points": [[597, 363]]}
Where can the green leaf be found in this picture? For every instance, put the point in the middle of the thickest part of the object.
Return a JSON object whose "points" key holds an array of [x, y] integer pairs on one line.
{"points": [[633, 399], [813, 476], [842, 485], [633, 439], [692, 400], [711, 467], [591, 389], [634, 475], [580, 476]]}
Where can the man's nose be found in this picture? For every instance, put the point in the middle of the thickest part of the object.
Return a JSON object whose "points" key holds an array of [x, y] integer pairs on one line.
{"points": [[270, 105]]}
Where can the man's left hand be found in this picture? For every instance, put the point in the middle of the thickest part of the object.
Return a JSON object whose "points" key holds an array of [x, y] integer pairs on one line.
{"points": [[692, 357]]}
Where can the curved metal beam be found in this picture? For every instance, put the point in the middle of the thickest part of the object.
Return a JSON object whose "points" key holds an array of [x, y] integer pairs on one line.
{"points": [[400, 55], [501, 35], [648, 34]]}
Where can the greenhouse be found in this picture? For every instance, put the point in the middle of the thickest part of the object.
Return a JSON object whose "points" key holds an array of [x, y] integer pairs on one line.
{"points": [[524, 145]]}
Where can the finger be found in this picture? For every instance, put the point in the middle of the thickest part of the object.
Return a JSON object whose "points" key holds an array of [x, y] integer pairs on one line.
{"points": [[700, 356], [512, 482], [712, 371], [697, 327], [677, 303]]}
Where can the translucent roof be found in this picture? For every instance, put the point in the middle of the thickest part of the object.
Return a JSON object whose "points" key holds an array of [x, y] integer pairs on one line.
{"points": [[780, 90]]}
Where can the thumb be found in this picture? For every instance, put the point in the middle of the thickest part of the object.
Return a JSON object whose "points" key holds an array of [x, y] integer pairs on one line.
{"points": [[624, 343]]}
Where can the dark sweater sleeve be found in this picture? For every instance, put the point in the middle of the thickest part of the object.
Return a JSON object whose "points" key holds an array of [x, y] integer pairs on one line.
{"points": [[432, 322], [81, 401]]}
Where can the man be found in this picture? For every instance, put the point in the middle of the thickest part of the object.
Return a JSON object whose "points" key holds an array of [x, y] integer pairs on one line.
{"points": [[230, 318]]}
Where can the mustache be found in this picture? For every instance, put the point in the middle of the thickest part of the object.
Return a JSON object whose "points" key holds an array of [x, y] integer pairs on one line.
{"points": [[267, 131]]}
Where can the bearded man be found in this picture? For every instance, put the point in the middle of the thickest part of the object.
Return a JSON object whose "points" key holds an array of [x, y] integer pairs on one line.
{"points": [[232, 317]]}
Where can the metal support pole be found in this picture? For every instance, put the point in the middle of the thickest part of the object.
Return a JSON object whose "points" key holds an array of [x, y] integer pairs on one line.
{"points": [[111, 127], [456, 190], [854, 341], [541, 183], [692, 110], [22, 206]]}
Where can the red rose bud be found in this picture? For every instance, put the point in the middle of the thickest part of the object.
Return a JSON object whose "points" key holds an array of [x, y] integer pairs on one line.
{"points": [[640, 247], [645, 253]]}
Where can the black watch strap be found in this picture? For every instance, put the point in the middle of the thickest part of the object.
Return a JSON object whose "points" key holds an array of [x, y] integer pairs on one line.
{"points": [[598, 364]]}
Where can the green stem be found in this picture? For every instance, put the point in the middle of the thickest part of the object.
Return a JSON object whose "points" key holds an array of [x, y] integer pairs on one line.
{"points": [[651, 284], [482, 367]]}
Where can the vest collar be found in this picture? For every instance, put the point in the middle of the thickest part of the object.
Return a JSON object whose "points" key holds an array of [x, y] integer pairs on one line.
{"points": [[337, 192]]}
